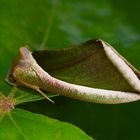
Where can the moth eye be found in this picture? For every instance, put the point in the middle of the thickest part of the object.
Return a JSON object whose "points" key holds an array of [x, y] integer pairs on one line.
{"points": [[21, 63]]}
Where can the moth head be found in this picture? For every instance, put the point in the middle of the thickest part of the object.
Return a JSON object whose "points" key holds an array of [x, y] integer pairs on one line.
{"points": [[23, 62]]}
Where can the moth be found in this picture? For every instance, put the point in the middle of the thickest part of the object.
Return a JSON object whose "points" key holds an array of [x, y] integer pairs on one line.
{"points": [[92, 71]]}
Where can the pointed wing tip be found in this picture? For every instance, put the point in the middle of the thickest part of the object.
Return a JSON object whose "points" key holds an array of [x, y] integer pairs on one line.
{"points": [[98, 42]]}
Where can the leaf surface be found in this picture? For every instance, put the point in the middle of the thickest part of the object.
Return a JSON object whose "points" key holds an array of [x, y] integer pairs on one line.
{"points": [[117, 22], [24, 125]]}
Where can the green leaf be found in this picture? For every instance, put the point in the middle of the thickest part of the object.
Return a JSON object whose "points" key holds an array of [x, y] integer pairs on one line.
{"points": [[21, 95], [75, 21], [20, 124]]}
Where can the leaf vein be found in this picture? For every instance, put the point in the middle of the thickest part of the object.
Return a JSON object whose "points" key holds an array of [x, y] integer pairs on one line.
{"points": [[17, 126]]}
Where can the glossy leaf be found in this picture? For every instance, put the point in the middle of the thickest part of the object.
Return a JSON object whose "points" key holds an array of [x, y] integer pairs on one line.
{"points": [[73, 22], [21, 124], [18, 124]]}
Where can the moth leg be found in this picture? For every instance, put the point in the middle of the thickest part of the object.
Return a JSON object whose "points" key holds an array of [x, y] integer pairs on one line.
{"points": [[43, 94], [36, 88]]}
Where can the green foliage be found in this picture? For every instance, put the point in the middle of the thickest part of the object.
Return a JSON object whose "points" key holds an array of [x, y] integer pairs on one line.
{"points": [[56, 24], [21, 124]]}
